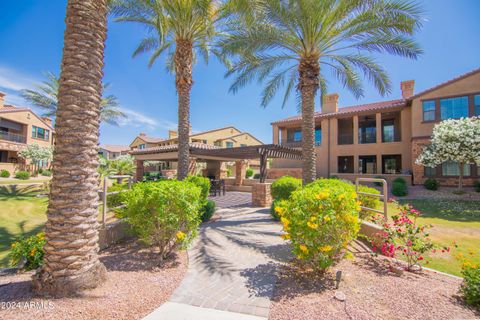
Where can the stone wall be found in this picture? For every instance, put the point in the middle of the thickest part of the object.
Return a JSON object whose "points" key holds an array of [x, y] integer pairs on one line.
{"points": [[262, 195], [275, 173]]}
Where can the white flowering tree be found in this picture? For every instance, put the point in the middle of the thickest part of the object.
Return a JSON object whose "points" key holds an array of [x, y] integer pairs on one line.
{"points": [[453, 140], [36, 154]]}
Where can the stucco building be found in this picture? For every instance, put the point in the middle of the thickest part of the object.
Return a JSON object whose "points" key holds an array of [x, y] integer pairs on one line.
{"points": [[383, 138], [113, 151], [20, 127]]}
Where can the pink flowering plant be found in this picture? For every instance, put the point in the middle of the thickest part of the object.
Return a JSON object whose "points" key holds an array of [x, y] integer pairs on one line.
{"points": [[402, 235]]}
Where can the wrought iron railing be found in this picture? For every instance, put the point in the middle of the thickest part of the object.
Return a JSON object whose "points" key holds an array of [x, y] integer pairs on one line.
{"points": [[12, 137]]}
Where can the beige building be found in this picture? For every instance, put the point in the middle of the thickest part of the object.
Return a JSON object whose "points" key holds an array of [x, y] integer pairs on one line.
{"points": [[20, 127], [383, 138], [226, 137], [112, 152]]}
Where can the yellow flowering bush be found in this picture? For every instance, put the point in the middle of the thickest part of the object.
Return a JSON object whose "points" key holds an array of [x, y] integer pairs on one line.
{"points": [[320, 220], [30, 249], [164, 214]]}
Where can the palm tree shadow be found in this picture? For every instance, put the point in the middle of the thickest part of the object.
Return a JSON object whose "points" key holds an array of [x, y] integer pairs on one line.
{"points": [[10, 191]]}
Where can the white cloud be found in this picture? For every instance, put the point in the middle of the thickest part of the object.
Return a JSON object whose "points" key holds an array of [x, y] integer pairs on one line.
{"points": [[137, 119], [12, 80]]}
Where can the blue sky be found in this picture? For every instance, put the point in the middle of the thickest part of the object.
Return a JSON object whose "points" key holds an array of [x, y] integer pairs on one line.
{"points": [[31, 38]]}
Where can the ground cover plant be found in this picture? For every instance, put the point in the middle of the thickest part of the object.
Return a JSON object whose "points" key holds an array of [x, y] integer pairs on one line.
{"points": [[28, 252], [22, 175], [399, 187], [4, 173], [431, 184]]}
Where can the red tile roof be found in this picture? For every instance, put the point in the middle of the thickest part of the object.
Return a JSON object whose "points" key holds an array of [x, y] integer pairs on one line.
{"points": [[351, 110], [115, 148]]}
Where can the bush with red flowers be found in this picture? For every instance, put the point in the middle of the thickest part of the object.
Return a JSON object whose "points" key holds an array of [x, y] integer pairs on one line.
{"points": [[403, 236]]}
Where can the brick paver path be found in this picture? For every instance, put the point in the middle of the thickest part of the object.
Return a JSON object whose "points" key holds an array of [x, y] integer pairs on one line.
{"points": [[232, 263]]}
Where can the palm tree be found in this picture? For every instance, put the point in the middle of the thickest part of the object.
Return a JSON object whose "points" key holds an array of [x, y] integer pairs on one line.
{"points": [[294, 43], [183, 29], [71, 261], [45, 96]]}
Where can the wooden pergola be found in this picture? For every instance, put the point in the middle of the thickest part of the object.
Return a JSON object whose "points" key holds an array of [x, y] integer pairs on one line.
{"points": [[206, 152]]}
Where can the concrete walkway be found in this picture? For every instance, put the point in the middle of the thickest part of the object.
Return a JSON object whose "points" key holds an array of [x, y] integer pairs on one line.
{"points": [[232, 265]]}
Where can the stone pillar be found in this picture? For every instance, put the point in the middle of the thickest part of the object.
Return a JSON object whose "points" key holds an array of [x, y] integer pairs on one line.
{"points": [[240, 171], [261, 194], [355, 129], [378, 122], [139, 171]]}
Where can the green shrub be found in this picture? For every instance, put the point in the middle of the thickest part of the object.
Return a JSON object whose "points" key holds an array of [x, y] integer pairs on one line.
{"points": [[273, 207], [4, 174], [164, 214], [30, 249], [256, 176], [476, 185], [22, 175], [283, 187], [249, 173], [320, 220], [229, 172], [207, 211], [399, 180], [399, 189], [431, 184], [47, 173], [203, 183], [470, 287], [378, 184]]}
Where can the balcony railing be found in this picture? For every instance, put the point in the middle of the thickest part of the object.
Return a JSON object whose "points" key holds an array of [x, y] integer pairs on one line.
{"points": [[13, 137], [297, 144]]}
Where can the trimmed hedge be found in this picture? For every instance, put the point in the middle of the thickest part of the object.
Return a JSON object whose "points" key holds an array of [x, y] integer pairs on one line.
{"points": [[476, 185], [22, 175], [399, 189], [283, 187], [4, 174], [207, 211], [203, 183], [431, 184], [249, 173], [256, 176]]}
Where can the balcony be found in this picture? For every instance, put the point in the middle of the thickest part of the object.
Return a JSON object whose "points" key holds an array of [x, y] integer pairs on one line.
{"points": [[292, 144], [13, 137]]}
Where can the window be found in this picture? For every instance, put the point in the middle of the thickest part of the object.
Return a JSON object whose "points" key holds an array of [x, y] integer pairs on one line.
{"points": [[217, 143], [454, 108], [476, 103], [318, 136], [294, 135], [229, 144], [345, 164], [392, 164], [141, 146], [430, 171], [388, 131], [40, 133], [243, 145], [428, 110], [367, 164], [450, 168], [345, 131], [367, 129]]}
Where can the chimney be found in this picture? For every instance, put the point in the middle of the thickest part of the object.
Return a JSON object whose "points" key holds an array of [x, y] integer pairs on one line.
{"points": [[172, 134], [407, 88], [142, 134], [330, 103], [2, 100], [47, 120]]}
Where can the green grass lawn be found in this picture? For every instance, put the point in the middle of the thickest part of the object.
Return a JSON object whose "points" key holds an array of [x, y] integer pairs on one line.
{"points": [[18, 181], [454, 221], [22, 213]]}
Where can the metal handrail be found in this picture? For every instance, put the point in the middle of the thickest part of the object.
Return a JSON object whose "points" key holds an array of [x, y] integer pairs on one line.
{"points": [[14, 137], [383, 196]]}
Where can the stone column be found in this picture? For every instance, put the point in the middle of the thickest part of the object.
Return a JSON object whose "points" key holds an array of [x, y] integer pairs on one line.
{"points": [[240, 171], [139, 171], [261, 194], [378, 122], [355, 129]]}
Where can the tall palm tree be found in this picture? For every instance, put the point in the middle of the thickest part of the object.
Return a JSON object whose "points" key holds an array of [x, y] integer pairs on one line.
{"points": [[183, 29], [294, 43], [71, 262], [45, 96]]}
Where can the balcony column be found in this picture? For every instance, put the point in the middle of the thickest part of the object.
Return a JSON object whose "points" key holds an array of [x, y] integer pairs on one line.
{"points": [[139, 171], [275, 134], [378, 122], [355, 129]]}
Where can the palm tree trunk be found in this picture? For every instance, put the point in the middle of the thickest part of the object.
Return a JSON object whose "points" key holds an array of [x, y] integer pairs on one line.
{"points": [[183, 70], [309, 71], [71, 262]]}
